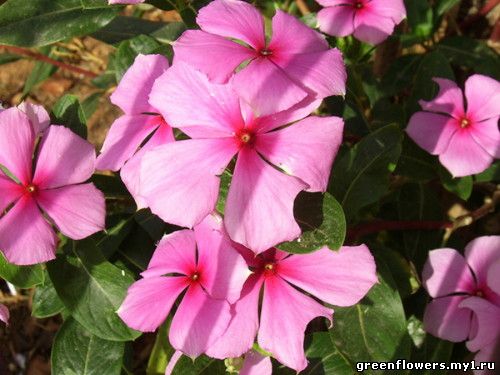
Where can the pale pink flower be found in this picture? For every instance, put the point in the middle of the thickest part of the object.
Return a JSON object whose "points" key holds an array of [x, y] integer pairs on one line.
{"points": [[125, 1], [339, 278], [370, 21], [124, 145], [466, 139], [454, 282], [38, 116], [202, 261], [54, 190], [297, 62], [180, 180], [256, 364], [4, 314]]}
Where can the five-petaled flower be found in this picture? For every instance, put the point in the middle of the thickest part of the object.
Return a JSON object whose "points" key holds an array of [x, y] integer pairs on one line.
{"points": [[53, 194], [466, 295], [296, 63], [371, 21], [140, 121], [466, 139], [202, 261], [180, 180], [339, 278]]}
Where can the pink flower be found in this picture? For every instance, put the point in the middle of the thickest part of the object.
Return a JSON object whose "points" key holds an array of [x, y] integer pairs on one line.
{"points": [[141, 120], [38, 116], [371, 21], [54, 189], [203, 262], [125, 1], [339, 278], [296, 63], [4, 314], [256, 364], [456, 284], [466, 140], [180, 182]]}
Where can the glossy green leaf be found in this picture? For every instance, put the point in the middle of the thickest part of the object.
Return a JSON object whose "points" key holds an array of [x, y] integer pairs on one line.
{"points": [[21, 276], [128, 50], [416, 163], [78, 352], [68, 112], [322, 221], [92, 289], [46, 302], [40, 72], [41, 22], [491, 174], [360, 177], [460, 186]]}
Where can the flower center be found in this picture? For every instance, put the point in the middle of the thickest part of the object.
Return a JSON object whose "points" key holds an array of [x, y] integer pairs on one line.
{"points": [[269, 267], [358, 4], [464, 123], [245, 137], [195, 276], [265, 52], [479, 293], [31, 188]]}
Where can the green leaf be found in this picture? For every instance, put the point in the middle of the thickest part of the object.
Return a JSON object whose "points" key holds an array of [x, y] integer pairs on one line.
{"points": [[491, 174], [420, 18], [68, 112], [46, 302], [460, 186], [471, 53], [128, 50], [6, 58], [416, 163], [374, 329], [92, 289], [322, 222], [111, 186], [40, 72], [77, 352], [90, 104], [163, 4], [442, 6], [21, 276], [109, 242], [41, 22], [361, 176], [225, 182]]}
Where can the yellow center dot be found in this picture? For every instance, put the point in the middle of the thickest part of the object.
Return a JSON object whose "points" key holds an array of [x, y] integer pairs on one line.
{"points": [[480, 294], [195, 277], [269, 267], [245, 137], [266, 52], [30, 188], [464, 123]]}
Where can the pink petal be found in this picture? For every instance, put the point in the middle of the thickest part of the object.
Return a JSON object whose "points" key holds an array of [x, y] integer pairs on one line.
{"points": [[180, 180], [77, 210], [267, 88], [487, 135], [125, 1], [447, 272], [259, 207], [123, 139], [483, 95], [305, 150], [493, 277], [38, 116], [256, 364], [337, 20], [449, 99], [16, 143], [464, 156], [292, 36], [284, 318], [64, 159], [176, 253], [172, 362], [224, 271], [488, 319], [198, 322], [205, 52], [489, 353], [340, 278], [233, 19], [480, 254], [240, 334], [132, 93], [395, 9], [431, 131], [297, 112], [25, 237], [131, 171], [444, 318], [4, 314], [322, 73], [149, 301], [216, 110], [9, 192], [372, 25]]}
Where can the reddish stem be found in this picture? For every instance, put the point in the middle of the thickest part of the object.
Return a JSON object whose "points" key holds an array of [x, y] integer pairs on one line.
{"points": [[40, 57], [378, 226]]}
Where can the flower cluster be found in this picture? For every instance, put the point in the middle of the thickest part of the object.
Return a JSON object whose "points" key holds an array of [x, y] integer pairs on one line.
{"points": [[466, 292]]}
